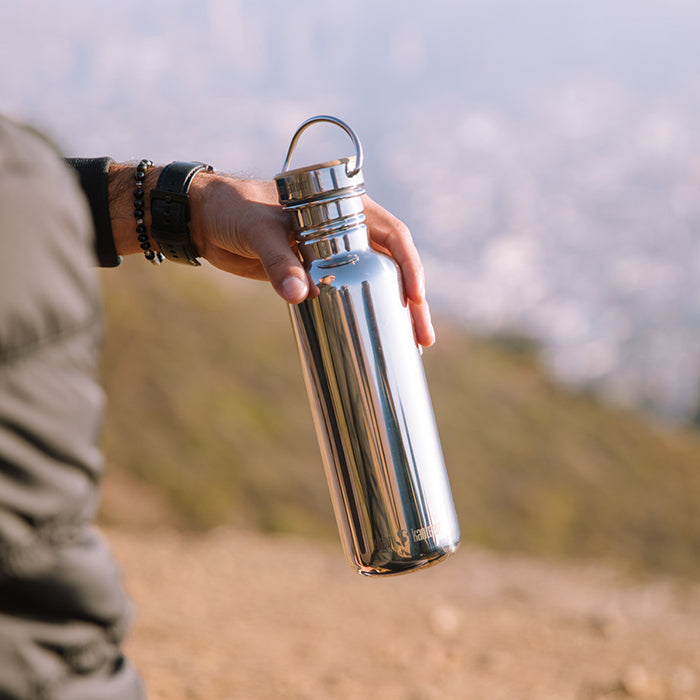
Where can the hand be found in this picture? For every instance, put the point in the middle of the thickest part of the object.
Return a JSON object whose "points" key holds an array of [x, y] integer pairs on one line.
{"points": [[239, 227]]}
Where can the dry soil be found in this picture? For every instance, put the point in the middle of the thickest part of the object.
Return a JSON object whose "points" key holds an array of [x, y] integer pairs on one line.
{"points": [[231, 614]]}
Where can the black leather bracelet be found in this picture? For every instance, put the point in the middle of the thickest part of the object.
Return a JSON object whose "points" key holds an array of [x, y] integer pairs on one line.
{"points": [[170, 211]]}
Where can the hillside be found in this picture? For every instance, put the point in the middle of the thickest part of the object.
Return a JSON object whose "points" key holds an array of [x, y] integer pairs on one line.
{"points": [[207, 410]]}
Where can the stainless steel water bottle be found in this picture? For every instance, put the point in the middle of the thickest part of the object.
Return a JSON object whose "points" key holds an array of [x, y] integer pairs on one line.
{"points": [[364, 376]]}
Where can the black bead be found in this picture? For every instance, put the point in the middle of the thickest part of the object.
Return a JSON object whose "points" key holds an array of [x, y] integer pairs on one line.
{"points": [[139, 207]]}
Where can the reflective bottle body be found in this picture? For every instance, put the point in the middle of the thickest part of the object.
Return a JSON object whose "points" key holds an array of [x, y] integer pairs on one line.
{"points": [[367, 388]]}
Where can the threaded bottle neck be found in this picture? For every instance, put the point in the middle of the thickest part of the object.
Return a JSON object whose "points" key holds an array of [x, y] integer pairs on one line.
{"points": [[327, 207]]}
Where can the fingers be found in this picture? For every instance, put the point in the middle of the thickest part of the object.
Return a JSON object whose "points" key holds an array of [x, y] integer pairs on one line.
{"points": [[281, 265], [275, 263], [422, 324], [242, 229], [393, 235]]}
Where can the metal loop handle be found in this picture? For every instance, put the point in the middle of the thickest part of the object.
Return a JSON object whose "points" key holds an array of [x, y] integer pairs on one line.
{"points": [[342, 125]]}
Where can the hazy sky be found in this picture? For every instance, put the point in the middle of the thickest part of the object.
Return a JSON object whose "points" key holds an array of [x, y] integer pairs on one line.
{"points": [[169, 75], [546, 155]]}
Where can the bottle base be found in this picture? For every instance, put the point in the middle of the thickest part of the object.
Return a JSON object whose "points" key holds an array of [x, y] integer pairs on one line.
{"points": [[400, 567]]}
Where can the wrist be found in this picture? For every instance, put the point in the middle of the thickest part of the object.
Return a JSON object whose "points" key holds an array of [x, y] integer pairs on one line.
{"points": [[121, 185], [202, 191], [171, 211]]}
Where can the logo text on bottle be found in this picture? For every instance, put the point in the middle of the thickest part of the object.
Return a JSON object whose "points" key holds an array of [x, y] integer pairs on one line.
{"points": [[423, 533]]}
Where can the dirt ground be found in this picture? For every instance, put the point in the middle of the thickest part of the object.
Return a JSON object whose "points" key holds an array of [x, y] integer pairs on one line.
{"points": [[230, 614]]}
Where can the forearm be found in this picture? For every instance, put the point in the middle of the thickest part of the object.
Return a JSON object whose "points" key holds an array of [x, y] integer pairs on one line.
{"points": [[110, 190]]}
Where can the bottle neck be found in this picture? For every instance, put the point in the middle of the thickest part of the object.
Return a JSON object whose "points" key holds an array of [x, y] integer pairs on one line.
{"points": [[354, 239], [331, 226]]}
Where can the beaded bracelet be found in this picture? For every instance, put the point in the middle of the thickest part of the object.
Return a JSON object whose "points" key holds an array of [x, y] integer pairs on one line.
{"points": [[154, 256]]}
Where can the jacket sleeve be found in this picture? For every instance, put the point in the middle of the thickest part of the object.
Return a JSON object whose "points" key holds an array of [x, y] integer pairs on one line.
{"points": [[63, 607], [92, 174]]}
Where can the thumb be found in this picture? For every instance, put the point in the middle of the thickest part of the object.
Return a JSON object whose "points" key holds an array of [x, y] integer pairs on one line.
{"points": [[286, 274]]}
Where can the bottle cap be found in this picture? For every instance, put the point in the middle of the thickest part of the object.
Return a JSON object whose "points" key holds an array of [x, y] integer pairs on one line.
{"points": [[324, 179], [318, 181]]}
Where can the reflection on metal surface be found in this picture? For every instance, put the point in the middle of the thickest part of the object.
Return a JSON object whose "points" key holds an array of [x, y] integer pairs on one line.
{"points": [[366, 384]]}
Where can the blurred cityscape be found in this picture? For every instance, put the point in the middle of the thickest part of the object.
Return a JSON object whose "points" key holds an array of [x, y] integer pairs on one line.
{"points": [[545, 155]]}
